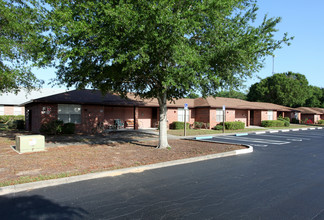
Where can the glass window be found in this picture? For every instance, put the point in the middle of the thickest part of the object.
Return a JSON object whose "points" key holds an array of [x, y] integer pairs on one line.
{"points": [[69, 113], [1, 110], [270, 115], [181, 115], [17, 111], [219, 115]]}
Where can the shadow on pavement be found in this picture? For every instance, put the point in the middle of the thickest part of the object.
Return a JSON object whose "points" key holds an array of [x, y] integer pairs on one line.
{"points": [[36, 207]]}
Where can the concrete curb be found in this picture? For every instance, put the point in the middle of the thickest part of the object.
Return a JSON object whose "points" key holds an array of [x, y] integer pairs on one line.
{"points": [[55, 182]]}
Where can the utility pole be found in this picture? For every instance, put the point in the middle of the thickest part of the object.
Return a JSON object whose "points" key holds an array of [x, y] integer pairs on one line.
{"points": [[273, 56]]}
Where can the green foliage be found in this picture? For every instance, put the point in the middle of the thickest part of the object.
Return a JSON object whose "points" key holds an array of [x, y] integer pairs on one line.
{"points": [[159, 47], [68, 128], [12, 122], [232, 94], [321, 122], [19, 26], [272, 123], [294, 121], [316, 98], [286, 121], [52, 127], [288, 89], [198, 124], [218, 127], [179, 125], [234, 125]]}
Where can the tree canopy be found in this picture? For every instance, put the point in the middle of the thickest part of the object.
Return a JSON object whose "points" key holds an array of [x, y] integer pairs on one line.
{"points": [[19, 29], [164, 49], [232, 94], [288, 89]]}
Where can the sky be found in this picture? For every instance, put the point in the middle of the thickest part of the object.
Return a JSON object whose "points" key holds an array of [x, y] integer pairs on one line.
{"points": [[300, 18]]}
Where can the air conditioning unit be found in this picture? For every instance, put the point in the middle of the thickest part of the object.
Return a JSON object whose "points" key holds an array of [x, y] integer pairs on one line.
{"points": [[30, 143]]}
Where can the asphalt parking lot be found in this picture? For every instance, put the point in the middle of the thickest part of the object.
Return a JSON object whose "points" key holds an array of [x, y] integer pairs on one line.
{"points": [[295, 137]]}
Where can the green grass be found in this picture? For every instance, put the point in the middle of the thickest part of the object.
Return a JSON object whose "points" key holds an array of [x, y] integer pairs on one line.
{"points": [[292, 126], [28, 179], [194, 132]]}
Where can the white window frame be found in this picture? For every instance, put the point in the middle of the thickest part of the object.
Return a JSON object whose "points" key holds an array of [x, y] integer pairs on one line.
{"points": [[1, 109], [219, 115], [270, 114], [181, 115], [66, 113]]}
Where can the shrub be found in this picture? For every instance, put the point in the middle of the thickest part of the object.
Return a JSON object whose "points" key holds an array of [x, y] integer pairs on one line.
{"points": [[321, 122], [68, 128], [309, 121], [272, 123], [7, 118], [179, 125], [234, 125], [218, 127], [198, 124], [52, 127], [294, 121]]}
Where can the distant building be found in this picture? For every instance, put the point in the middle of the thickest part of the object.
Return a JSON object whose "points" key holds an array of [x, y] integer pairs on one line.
{"points": [[10, 103]]}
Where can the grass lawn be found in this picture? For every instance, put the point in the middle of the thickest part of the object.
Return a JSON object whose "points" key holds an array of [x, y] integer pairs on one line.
{"points": [[193, 132]]}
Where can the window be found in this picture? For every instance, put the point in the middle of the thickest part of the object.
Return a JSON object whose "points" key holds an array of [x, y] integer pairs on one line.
{"points": [[69, 113], [1, 110], [270, 115], [181, 115], [17, 111], [219, 115]]}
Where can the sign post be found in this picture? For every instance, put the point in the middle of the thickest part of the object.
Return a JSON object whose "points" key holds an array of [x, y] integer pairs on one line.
{"points": [[223, 118], [185, 117]]}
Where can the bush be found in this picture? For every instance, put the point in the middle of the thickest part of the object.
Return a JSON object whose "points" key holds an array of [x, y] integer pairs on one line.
{"points": [[218, 127], [321, 122], [198, 124], [234, 125], [177, 125], [7, 118], [272, 123], [68, 128], [52, 127], [294, 121], [309, 121]]}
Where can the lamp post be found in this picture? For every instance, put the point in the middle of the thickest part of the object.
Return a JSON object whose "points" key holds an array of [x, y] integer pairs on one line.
{"points": [[273, 56]]}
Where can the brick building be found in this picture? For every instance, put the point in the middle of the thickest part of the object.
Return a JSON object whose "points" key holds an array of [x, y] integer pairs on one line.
{"points": [[87, 108]]}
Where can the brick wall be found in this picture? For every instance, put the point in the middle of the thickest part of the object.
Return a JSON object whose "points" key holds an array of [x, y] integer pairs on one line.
{"points": [[172, 115], [242, 116], [203, 115]]}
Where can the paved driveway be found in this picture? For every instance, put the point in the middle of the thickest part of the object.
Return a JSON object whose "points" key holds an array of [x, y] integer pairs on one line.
{"points": [[282, 179]]}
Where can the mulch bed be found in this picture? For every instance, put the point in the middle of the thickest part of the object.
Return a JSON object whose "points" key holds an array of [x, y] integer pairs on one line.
{"points": [[81, 159]]}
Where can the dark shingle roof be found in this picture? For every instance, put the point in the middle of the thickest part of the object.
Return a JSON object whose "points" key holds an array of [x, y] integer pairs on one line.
{"points": [[87, 96]]}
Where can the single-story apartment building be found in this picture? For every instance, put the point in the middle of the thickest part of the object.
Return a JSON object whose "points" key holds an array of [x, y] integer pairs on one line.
{"points": [[87, 108], [313, 114]]}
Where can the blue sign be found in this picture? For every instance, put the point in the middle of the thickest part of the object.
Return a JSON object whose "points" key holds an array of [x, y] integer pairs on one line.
{"points": [[185, 106]]}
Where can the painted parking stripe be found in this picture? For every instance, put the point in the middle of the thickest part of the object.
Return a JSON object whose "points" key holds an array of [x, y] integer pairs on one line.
{"points": [[285, 136], [301, 135], [254, 140], [260, 132], [273, 131], [320, 128], [285, 130], [296, 129]]}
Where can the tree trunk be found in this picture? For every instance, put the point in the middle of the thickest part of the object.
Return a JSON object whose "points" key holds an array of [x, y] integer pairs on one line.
{"points": [[163, 134]]}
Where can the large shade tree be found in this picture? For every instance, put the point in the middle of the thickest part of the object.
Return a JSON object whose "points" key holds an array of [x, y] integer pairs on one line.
{"points": [[19, 36], [162, 49], [288, 89]]}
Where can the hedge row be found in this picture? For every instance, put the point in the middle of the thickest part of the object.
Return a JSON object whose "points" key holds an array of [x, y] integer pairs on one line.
{"points": [[321, 122], [233, 125], [178, 125], [272, 123]]}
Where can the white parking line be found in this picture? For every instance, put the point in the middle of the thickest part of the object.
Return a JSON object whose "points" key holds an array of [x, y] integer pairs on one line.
{"points": [[320, 128], [273, 131], [285, 136], [260, 132], [311, 128], [296, 129], [304, 129], [253, 140], [286, 130]]}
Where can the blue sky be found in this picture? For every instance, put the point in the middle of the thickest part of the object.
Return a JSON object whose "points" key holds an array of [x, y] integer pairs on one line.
{"points": [[300, 18]]}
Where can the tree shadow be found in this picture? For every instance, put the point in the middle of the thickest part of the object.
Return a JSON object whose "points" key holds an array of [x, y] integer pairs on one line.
{"points": [[37, 207]]}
